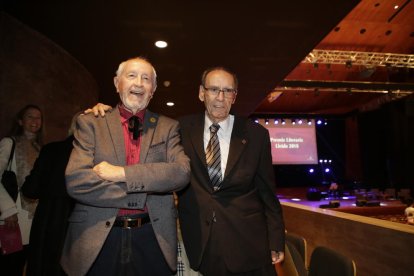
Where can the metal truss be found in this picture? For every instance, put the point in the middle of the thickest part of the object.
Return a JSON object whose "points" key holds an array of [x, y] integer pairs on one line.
{"points": [[368, 59]]}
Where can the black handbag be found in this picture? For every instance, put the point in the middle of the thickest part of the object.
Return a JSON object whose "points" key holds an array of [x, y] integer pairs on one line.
{"points": [[9, 179]]}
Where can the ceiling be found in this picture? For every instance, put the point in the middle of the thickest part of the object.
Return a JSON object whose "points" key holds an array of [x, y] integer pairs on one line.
{"points": [[264, 42]]}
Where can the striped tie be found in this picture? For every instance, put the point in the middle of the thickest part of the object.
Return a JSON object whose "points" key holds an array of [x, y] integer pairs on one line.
{"points": [[213, 158]]}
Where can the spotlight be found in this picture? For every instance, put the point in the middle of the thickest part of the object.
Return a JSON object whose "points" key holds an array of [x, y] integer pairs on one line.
{"points": [[276, 122], [319, 122], [161, 44], [309, 122], [326, 122], [311, 170], [327, 170], [266, 121], [283, 122], [256, 121], [320, 161], [300, 121], [293, 121]]}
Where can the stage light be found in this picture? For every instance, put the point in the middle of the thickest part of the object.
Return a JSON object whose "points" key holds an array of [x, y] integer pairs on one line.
{"points": [[283, 122], [300, 121], [327, 170], [325, 161], [276, 122], [293, 121], [319, 122], [311, 170], [320, 161], [256, 121], [326, 122], [329, 161], [266, 121], [309, 122]]}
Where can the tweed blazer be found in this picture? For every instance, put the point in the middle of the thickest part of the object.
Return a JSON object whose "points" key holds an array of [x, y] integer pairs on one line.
{"points": [[163, 169]]}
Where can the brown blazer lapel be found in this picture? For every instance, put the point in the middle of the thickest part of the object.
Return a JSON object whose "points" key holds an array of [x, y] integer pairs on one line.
{"points": [[150, 122], [238, 142], [113, 120]]}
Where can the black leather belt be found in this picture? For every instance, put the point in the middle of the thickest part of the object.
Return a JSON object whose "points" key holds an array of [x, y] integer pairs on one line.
{"points": [[134, 222]]}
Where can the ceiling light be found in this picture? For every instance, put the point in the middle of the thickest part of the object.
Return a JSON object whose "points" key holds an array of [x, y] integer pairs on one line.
{"points": [[161, 44], [170, 104]]}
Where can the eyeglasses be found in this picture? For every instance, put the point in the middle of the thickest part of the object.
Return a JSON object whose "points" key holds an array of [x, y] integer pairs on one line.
{"points": [[215, 91]]}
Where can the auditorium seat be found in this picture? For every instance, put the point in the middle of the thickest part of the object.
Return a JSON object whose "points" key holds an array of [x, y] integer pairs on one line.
{"points": [[327, 262], [299, 243], [293, 264]]}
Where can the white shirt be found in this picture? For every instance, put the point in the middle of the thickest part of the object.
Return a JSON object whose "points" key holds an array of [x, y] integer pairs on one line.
{"points": [[224, 135]]}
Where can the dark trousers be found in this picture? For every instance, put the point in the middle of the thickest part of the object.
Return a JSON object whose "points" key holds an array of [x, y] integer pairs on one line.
{"points": [[132, 251], [13, 264], [212, 263]]}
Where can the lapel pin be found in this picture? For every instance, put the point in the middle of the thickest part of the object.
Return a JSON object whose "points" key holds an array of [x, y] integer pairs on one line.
{"points": [[152, 120]]}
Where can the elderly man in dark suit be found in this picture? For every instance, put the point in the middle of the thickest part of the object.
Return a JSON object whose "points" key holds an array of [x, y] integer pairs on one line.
{"points": [[122, 172], [230, 217]]}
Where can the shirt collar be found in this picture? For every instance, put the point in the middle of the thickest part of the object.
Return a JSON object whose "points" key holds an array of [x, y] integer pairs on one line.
{"points": [[126, 114], [224, 125]]}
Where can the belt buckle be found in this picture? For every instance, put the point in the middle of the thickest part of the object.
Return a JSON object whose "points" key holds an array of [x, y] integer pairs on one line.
{"points": [[127, 220]]}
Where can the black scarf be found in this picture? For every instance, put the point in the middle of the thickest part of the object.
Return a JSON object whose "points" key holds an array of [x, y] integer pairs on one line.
{"points": [[134, 126]]}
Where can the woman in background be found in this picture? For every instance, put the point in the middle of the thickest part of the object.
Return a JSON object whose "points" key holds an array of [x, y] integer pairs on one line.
{"points": [[27, 133]]}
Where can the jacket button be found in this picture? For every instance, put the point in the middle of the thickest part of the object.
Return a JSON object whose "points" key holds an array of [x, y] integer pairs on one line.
{"points": [[107, 224]]}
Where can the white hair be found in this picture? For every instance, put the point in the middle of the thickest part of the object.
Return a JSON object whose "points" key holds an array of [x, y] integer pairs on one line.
{"points": [[122, 65]]}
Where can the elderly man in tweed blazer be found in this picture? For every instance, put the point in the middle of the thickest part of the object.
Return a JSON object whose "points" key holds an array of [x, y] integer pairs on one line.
{"points": [[123, 171]]}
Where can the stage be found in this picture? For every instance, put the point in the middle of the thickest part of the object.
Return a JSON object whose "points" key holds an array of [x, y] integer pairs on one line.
{"points": [[378, 246]]}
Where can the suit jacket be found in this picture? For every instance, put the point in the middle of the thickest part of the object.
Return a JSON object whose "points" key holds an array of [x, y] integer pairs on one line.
{"points": [[163, 169], [46, 182], [245, 212]]}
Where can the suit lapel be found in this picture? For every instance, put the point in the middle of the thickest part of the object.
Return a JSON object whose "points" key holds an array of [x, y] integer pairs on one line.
{"points": [[238, 142], [197, 139], [113, 120], [196, 133], [150, 122]]}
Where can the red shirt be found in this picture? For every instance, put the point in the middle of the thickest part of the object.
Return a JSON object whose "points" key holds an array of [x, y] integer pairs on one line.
{"points": [[132, 147]]}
